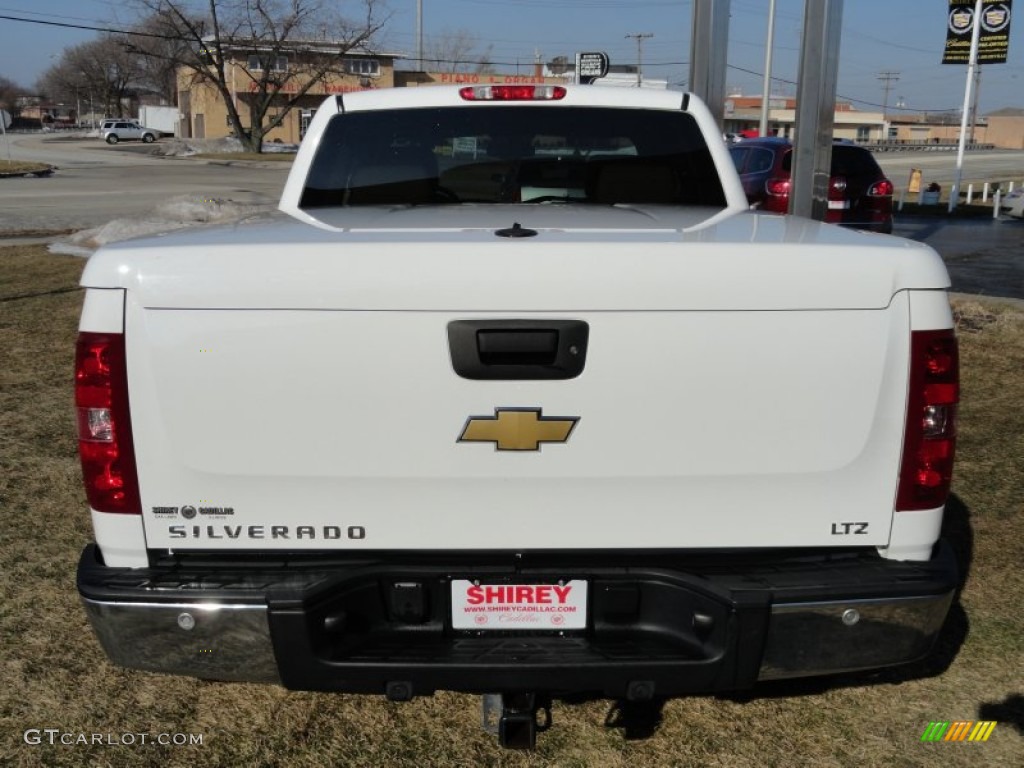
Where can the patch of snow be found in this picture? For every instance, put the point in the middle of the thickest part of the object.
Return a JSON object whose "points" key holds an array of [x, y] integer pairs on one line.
{"points": [[176, 213], [273, 146], [186, 147], [171, 147]]}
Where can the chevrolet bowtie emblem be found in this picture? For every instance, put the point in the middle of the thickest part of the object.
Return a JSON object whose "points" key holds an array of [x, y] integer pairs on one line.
{"points": [[517, 429]]}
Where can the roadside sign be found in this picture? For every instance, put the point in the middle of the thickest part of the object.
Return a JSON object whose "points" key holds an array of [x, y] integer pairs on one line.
{"points": [[5, 118], [994, 40], [590, 66], [914, 185]]}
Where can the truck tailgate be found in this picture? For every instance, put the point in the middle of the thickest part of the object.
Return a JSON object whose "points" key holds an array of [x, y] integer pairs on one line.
{"points": [[335, 422]]}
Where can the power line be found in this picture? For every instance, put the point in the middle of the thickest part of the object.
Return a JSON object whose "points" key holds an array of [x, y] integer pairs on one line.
{"points": [[115, 31], [91, 28], [841, 96], [49, 15]]}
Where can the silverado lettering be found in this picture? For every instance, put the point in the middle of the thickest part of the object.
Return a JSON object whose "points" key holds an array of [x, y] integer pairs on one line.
{"points": [[762, 412], [327, 532]]}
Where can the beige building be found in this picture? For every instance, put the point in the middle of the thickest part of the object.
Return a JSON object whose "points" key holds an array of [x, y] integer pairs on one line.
{"points": [[204, 115], [1006, 128], [743, 113], [913, 130], [1003, 128]]}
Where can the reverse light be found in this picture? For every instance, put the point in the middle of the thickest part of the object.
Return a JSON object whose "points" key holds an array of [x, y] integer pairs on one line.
{"points": [[883, 188], [512, 93], [104, 427], [929, 440], [777, 187]]}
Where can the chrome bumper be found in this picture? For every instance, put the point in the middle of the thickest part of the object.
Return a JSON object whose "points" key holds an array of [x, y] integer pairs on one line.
{"points": [[215, 641], [676, 631], [806, 639], [232, 642]]}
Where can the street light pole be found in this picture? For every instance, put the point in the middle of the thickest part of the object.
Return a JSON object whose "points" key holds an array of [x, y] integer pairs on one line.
{"points": [[419, 34], [767, 88], [972, 63]]}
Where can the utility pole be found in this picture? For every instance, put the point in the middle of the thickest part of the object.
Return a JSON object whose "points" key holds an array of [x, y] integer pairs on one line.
{"points": [[974, 102], [640, 52], [887, 78]]}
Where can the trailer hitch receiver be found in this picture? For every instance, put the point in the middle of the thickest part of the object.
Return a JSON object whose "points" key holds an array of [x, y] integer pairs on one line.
{"points": [[517, 718]]}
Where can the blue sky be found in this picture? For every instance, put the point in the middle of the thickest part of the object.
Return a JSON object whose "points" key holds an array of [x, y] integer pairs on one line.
{"points": [[903, 36]]}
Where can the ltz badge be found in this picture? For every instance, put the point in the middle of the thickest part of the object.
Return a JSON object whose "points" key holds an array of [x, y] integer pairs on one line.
{"points": [[517, 429]]}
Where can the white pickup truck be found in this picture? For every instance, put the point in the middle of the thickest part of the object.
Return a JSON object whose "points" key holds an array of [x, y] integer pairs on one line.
{"points": [[516, 397]]}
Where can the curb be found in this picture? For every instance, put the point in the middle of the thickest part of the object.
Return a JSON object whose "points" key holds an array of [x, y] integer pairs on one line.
{"points": [[48, 171]]}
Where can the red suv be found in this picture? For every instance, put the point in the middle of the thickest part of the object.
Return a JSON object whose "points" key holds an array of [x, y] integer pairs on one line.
{"points": [[859, 194]]}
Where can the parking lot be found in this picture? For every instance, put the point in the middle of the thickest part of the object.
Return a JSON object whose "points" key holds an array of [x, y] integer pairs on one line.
{"points": [[95, 183]]}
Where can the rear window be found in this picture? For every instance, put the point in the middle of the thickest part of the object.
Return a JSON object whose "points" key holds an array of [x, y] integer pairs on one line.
{"points": [[752, 159], [847, 161], [854, 161], [509, 154]]}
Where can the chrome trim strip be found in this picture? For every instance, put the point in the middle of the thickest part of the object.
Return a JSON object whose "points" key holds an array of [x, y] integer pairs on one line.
{"points": [[807, 639], [218, 641]]}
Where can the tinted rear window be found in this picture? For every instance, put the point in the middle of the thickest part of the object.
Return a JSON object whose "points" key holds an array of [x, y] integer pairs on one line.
{"points": [[853, 161], [512, 154], [846, 161]]}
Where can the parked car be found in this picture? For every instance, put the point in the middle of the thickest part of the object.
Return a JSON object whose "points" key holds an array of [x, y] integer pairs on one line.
{"points": [[1013, 204], [859, 195], [110, 122], [127, 130]]}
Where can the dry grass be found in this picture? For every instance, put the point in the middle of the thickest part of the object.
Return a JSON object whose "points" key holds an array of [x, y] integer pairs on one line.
{"points": [[22, 167], [55, 676]]}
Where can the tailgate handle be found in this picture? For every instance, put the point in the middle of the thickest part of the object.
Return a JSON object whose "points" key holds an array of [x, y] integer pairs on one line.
{"points": [[518, 349], [517, 346]]}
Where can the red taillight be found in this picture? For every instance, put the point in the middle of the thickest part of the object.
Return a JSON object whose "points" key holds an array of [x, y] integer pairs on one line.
{"points": [[930, 438], [883, 188], [777, 187], [512, 93], [104, 427]]}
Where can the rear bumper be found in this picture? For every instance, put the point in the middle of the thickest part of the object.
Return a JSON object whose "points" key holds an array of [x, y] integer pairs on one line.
{"points": [[663, 625]]}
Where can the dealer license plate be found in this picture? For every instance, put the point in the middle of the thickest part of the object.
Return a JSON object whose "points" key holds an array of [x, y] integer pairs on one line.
{"points": [[534, 607]]}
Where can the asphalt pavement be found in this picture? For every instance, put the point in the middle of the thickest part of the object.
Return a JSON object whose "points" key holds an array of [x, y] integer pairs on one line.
{"points": [[95, 183], [983, 256]]}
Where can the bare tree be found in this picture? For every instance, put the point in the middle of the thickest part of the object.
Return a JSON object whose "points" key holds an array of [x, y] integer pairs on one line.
{"points": [[10, 91], [101, 69], [159, 52], [296, 45], [454, 50]]}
